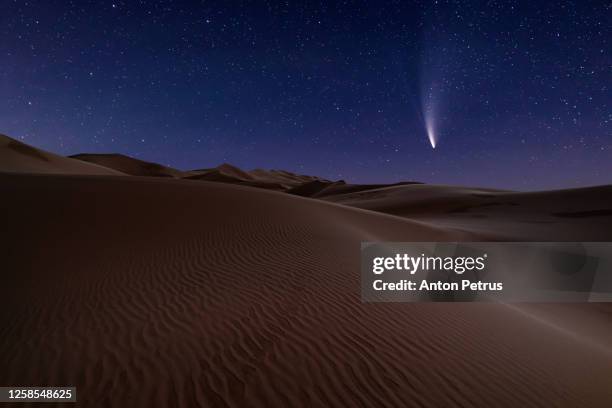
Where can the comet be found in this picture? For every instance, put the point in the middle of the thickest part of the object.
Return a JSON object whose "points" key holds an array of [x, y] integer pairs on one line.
{"points": [[431, 134], [430, 126], [429, 116]]}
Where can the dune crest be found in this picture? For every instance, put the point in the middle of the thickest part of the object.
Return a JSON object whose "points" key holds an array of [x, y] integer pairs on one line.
{"points": [[18, 157], [129, 165]]}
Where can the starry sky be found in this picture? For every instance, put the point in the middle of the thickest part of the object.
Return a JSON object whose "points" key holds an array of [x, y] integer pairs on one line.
{"points": [[335, 89]]}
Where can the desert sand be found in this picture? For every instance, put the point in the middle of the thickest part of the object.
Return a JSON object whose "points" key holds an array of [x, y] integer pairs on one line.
{"points": [[163, 292], [129, 165], [18, 157], [276, 180], [580, 214]]}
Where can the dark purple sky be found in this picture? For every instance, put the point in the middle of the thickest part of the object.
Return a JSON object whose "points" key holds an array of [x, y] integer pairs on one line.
{"points": [[522, 89]]}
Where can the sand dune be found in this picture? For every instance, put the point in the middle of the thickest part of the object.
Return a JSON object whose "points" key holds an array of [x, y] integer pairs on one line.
{"points": [[18, 157], [149, 292], [225, 172], [286, 178], [570, 215], [156, 292], [325, 189], [583, 214], [129, 165], [277, 180]]}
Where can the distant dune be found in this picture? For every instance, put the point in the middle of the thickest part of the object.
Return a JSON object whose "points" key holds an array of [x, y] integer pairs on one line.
{"points": [[165, 292], [581, 214], [18, 157], [268, 179], [129, 165]]}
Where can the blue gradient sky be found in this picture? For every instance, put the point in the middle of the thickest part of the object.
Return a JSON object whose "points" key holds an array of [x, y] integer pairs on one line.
{"points": [[331, 89]]}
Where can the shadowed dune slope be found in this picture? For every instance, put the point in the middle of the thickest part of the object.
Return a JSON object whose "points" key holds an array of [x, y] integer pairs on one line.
{"points": [[129, 165], [150, 292], [18, 157]]}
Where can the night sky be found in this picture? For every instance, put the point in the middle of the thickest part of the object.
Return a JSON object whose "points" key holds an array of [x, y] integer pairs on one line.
{"points": [[340, 90]]}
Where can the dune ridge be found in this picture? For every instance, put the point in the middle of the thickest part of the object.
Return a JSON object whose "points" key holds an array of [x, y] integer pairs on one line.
{"points": [[18, 157], [128, 165]]}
